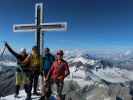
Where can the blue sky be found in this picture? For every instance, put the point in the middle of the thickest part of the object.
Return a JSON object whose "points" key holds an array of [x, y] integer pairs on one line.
{"points": [[92, 24]]}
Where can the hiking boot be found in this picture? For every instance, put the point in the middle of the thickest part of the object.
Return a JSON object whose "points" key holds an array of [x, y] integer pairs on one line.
{"points": [[28, 97], [16, 96], [17, 88]]}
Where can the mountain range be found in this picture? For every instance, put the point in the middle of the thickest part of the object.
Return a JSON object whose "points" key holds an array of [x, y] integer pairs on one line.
{"points": [[93, 76]]}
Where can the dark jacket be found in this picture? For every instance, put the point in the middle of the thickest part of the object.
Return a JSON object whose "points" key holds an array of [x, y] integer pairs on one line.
{"points": [[47, 62], [19, 57]]}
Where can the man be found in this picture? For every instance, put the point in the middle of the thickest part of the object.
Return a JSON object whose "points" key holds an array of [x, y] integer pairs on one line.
{"points": [[58, 72], [35, 63], [48, 60], [21, 69]]}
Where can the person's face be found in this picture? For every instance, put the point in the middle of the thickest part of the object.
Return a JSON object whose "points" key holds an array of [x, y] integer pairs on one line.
{"points": [[59, 57]]}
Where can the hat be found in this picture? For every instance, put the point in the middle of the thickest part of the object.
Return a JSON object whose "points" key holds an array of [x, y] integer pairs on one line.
{"points": [[60, 52]]}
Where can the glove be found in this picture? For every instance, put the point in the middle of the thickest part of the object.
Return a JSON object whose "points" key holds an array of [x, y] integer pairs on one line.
{"points": [[60, 77]]}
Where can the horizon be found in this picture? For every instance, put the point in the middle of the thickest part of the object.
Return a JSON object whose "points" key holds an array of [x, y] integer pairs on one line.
{"points": [[106, 51]]}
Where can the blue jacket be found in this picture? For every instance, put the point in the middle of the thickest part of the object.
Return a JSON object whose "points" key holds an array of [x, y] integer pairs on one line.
{"points": [[48, 61]]}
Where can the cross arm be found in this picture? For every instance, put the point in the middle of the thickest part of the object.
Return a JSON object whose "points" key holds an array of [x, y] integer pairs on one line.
{"points": [[24, 28], [62, 26]]}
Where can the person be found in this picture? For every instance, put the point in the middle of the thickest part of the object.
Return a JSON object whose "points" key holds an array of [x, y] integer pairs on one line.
{"points": [[21, 69], [58, 72], [48, 60], [35, 62]]}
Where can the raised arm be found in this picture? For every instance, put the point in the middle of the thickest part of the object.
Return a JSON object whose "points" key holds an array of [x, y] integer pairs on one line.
{"points": [[11, 50], [27, 60]]}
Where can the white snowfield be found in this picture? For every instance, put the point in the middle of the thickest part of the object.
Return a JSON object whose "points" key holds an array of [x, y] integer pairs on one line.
{"points": [[84, 61], [81, 59], [22, 96], [8, 63], [91, 98], [114, 75]]}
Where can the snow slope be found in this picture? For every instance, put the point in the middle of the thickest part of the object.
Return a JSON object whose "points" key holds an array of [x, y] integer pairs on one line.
{"points": [[8, 63], [85, 76], [114, 75], [22, 96]]}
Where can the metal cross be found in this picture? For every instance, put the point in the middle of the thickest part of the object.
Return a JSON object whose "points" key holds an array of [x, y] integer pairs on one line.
{"points": [[40, 27]]}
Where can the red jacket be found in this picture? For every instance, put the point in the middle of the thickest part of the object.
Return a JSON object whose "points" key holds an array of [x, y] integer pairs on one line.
{"points": [[59, 70]]}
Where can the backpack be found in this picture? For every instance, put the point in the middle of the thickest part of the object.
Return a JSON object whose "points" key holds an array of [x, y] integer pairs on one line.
{"points": [[35, 60]]}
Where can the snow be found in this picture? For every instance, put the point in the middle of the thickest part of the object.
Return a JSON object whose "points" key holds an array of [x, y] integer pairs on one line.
{"points": [[8, 63], [22, 96], [82, 82], [114, 75], [69, 59], [92, 96], [83, 60], [107, 98], [77, 74]]}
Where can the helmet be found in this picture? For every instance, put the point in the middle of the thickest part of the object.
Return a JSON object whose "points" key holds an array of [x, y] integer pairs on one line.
{"points": [[34, 47], [23, 50], [60, 52]]}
